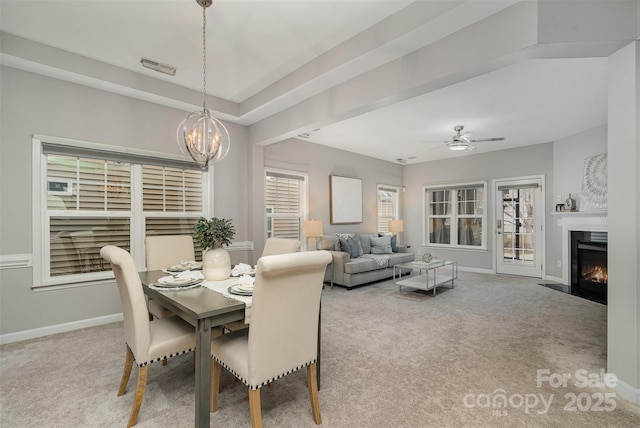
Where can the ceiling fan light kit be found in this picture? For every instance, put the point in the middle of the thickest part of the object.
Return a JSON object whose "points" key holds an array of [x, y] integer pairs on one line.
{"points": [[459, 146], [462, 141]]}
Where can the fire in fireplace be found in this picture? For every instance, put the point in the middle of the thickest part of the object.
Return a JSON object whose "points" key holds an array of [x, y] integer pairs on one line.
{"points": [[592, 269]]}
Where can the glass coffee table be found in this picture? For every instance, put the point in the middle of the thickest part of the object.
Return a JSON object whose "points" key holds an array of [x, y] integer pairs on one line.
{"points": [[425, 276]]}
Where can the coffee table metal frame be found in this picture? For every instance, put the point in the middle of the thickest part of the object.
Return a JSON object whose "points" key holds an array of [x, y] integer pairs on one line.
{"points": [[425, 276]]}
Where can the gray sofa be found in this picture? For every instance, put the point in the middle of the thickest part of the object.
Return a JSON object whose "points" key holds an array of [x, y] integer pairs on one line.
{"points": [[349, 269]]}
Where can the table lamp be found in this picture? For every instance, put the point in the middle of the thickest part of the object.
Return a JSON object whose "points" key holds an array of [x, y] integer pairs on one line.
{"points": [[312, 229], [396, 226]]}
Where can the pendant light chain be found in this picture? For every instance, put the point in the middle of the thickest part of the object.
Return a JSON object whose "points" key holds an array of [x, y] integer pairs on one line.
{"points": [[204, 58]]}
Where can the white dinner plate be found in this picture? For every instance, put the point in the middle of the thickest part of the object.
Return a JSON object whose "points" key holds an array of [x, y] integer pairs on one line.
{"points": [[176, 281], [234, 289], [244, 287]]}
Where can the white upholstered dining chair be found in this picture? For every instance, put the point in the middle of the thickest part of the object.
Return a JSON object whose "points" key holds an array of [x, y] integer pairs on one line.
{"points": [[163, 251], [272, 247], [146, 341], [283, 336]]}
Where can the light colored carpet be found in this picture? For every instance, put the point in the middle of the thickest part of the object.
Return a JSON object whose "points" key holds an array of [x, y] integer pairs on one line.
{"points": [[389, 359]]}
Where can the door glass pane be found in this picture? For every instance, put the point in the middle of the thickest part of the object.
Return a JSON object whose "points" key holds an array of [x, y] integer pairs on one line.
{"points": [[518, 226]]}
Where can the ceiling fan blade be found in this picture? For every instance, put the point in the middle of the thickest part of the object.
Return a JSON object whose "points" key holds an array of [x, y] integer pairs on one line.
{"points": [[486, 139]]}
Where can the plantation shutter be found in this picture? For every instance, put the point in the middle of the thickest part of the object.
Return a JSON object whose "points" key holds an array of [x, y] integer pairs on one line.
{"points": [[387, 207], [89, 203], [283, 193]]}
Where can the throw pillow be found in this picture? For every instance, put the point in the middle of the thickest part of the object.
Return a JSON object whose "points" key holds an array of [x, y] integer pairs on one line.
{"points": [[394, 241], [331, 243], [344, 245], [356, 247], [380, 245]]}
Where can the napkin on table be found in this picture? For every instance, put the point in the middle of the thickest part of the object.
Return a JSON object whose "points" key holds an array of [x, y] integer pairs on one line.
{"points": [[245, 282], [240, 268], [190, 274]]}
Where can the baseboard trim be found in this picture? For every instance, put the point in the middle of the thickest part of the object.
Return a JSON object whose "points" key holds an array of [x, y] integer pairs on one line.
{"points": [[476, 270], [58, 328], [628, 392], [554, 279]]}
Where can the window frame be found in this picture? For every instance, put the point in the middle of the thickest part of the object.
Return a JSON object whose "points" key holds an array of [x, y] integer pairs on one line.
{"points": [[396, 214], [455, 216], [304, 199], [43, 145]]}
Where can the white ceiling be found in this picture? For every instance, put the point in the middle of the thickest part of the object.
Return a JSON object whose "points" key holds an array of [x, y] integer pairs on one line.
{"points": [[266, 57]]}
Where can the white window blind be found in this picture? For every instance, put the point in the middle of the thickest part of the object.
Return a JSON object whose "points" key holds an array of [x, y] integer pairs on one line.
{"points": [[96, 198], [285, 203], [388, 206]]}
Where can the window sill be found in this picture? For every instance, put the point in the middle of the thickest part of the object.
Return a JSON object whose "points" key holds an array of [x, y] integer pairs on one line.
{"points": [[53, 286]]}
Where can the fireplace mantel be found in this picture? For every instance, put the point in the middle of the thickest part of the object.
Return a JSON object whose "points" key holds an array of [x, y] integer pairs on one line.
{"points": [[570, 214], [590, 221]]}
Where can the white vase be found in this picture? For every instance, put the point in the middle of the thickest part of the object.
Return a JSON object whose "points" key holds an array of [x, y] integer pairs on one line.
{"points": [[216, 264]]}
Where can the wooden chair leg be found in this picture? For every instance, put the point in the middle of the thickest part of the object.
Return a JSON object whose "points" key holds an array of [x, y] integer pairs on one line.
{"points": [[137, 402], [254, 408], [128, 363], [215, 385], [313, 393]]}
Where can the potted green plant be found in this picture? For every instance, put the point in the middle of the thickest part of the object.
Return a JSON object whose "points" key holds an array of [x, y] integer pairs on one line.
{"points": [[212, 234]]}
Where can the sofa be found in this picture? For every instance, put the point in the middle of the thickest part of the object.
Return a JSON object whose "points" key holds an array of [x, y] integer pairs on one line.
{"points": [[361, 258]]}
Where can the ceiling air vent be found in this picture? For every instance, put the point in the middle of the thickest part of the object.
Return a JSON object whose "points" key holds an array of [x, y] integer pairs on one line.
{"points": [[158, 66]]}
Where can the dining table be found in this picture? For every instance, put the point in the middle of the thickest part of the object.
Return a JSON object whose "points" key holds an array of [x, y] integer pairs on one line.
{"points": [[205, 307]]}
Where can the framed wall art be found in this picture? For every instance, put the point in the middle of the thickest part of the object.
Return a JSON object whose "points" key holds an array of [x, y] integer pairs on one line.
{"points": [[595, 183], [345, 200]]}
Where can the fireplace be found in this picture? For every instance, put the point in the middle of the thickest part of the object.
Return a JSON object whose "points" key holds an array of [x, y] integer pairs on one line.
{"points": [[589, 265]]}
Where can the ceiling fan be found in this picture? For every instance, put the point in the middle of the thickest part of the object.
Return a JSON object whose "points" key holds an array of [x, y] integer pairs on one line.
{"points": [[462, 141]]}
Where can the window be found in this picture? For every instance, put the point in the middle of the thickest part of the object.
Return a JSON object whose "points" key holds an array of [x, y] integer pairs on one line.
{"points": [[285, 201], [388, 206], [91, 196], [455, 215]]}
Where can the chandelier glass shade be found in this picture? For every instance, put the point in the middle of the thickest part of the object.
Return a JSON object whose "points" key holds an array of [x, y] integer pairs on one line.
{"points": [[203, 137]]}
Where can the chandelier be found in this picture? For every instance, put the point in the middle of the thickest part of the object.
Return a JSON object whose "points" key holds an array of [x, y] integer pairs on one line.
{"points": [[205, 138]]}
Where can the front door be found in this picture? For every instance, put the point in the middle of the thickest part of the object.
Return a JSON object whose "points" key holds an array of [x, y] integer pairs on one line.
{"points": [[519, 223]]}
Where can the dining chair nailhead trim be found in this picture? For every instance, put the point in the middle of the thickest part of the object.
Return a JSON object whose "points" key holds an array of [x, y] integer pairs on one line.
{"points": [[165, 357], [254, 387]]}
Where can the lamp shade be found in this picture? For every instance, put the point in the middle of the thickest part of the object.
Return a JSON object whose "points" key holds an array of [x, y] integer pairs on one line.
{"points": [[312, 228], [396, 226]]}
